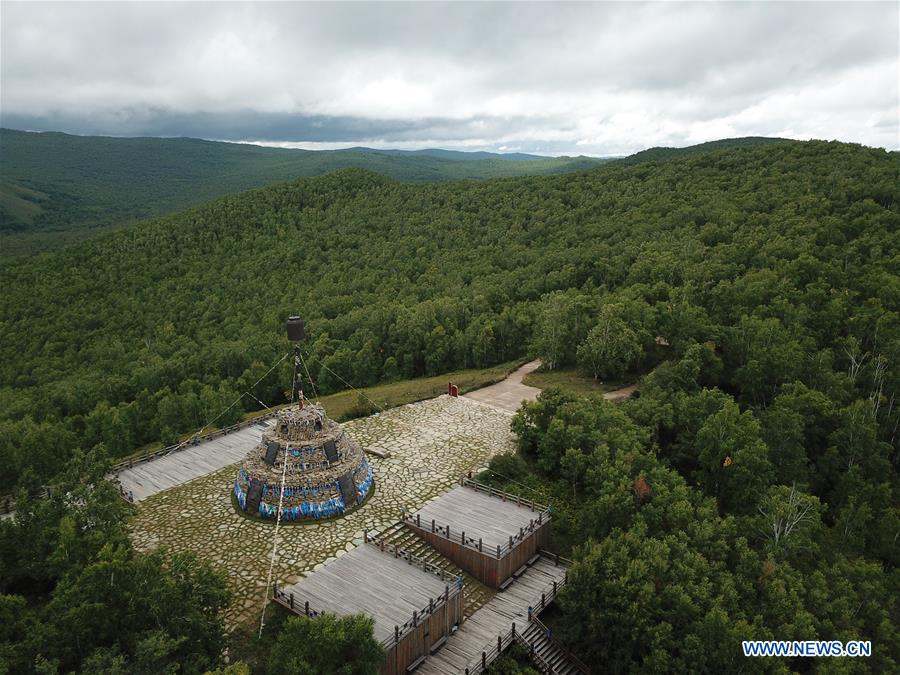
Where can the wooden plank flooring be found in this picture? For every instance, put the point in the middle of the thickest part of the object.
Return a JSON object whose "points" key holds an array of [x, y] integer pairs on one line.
{"points": [[477, 514], [495, 618], [375, 583], [156, 475]]}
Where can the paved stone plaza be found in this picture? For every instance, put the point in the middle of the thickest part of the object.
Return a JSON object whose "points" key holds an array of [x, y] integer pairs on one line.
{"points": [[431, 443]]}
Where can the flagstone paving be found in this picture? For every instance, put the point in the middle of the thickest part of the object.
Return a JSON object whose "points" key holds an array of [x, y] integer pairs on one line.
{"points": [[431, 443]]}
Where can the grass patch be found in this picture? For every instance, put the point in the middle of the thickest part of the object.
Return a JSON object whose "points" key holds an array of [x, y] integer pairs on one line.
{"points": [[571, 379], [349, 404]]}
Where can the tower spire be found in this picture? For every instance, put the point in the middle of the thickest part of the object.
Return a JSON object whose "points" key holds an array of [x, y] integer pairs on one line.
{"points": [[296, 332]]}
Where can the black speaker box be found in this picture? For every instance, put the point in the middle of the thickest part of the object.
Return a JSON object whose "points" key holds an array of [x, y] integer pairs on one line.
{"points": [[296, 329]]}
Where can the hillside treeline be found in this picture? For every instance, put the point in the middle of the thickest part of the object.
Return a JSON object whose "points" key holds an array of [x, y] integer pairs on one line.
{"points": [[60, 182], [783, 257]]}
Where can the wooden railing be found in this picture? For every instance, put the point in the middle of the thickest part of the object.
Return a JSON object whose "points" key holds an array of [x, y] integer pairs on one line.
{"points": [[417, 616], [492, 652], [505, 496], [452, 589], [295, 603], [556, 557], [536, 658], [450, 592], [375, 539], [548, 596], [287, 599], [501, 550], [573, 660]]}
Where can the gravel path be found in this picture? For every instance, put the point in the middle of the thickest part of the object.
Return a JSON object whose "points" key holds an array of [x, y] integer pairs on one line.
{"points": [[508, 394]]}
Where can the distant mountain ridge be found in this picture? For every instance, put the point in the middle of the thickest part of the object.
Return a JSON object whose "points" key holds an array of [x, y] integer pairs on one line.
{"points": [[663, 153], [56, 182], [461, 154], [57, 187]]}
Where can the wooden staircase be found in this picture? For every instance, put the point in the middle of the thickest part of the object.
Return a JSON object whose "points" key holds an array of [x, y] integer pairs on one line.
{"points": [[475, 593], [548, 656]]}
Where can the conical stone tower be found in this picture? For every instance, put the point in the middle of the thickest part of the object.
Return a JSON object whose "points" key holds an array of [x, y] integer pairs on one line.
{"points": [[327, 473]]}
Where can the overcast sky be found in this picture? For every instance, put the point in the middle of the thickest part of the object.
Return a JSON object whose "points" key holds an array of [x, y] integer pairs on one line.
{"points": [[595, 79]]}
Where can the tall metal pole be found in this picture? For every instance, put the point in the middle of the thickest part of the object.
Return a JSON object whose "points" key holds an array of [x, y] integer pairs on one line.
{"points": [[296, 387], [296, 333]]}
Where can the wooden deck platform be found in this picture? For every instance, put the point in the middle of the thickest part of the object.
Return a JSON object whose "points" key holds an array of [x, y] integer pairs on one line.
{"points": [[161, 473], [478, 515], [369, 581], [479, 633]]}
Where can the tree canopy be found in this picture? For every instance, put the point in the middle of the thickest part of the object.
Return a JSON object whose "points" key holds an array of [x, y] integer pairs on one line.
{"points": [[75, 597], [326, 644]]}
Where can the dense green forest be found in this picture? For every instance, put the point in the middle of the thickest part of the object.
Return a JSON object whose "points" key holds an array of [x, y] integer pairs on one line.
{"points": [[751, 490], [54, 182], [57, 188], [658, 153]]}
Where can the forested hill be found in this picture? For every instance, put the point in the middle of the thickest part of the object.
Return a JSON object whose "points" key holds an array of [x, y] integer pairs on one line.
{"points": [[55, 181], [658, 153], [138, 334], [56, 188], [457, 154], [749, 492]]}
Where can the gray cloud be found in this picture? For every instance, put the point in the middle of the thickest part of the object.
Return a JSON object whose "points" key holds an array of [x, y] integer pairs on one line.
{"points": [[572, 78], [249, 124]]}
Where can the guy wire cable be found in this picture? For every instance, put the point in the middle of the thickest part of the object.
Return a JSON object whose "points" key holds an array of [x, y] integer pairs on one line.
{"points": [[262, 618], [180, 445], [399, 422], [309, 377]]}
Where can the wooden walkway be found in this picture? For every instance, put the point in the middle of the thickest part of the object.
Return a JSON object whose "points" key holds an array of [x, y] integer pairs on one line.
{"points": [[480, 632], [366, 580], [161, 473], [478, 515]]}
